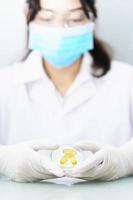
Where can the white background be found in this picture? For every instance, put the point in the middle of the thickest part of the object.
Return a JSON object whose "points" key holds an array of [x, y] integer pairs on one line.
{"points": [[115, 25]]}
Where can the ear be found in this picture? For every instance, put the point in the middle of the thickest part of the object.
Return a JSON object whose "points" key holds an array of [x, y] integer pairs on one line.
{"points": [[26, 10]]}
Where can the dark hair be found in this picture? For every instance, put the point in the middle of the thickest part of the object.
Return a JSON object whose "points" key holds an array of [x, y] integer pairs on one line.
{"points": [[101, 58]]}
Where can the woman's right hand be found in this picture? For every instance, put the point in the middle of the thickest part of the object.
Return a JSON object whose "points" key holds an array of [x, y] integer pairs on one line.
{"points": [[23, 163]]}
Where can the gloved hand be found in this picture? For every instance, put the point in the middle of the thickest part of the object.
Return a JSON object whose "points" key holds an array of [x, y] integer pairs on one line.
{"points": [[23, 163], [107, 163]]}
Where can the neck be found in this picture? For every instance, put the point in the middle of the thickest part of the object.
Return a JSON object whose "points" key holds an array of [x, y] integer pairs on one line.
{"points": [[62, 77]]}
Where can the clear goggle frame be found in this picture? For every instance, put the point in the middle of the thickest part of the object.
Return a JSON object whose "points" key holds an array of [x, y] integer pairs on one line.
{"points": [[68, 19]]}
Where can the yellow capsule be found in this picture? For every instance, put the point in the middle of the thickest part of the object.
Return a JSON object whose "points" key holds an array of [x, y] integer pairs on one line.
{"points": [[69, 154], [74, 161], [63, 160]]}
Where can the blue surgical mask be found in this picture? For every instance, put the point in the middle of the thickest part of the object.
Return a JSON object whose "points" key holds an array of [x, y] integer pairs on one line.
{"points": [[61, 46]]}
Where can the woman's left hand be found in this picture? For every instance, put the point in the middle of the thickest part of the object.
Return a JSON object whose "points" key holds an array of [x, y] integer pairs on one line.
{"points": [[107, 163]]}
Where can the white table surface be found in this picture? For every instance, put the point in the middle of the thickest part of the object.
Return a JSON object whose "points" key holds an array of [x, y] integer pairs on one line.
{"points": [[117, 190]]}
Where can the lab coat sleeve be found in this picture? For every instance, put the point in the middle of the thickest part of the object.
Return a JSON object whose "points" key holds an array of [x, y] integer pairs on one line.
{"points": [[5, 88], [2, 91], [2, 101], [8, 77], [131, 103], [130, 143]]}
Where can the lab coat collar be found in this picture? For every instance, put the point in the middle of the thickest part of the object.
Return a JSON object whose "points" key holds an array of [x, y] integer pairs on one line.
{"points": [[82, 89], [32, 69]]}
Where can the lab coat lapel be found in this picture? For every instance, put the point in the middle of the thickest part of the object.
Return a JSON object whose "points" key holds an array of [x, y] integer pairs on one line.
{"points": [[83, 88], [41, 88], [84, 93]]}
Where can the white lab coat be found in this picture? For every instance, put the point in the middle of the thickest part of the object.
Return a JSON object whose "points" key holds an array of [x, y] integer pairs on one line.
{"points": [[92, 109]]}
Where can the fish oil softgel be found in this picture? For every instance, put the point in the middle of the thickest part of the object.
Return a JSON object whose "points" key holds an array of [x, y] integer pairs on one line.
{"points": [[67, 157]]}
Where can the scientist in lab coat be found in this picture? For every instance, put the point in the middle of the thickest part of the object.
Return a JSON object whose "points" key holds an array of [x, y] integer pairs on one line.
{"points": [[67, 91]]}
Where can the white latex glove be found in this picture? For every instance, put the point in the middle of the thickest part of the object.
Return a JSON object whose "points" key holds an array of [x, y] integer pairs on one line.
{"points": [[107, 163], [23, 163]]}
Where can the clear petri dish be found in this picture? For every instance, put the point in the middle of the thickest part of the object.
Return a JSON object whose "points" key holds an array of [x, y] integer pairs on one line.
{"points": [[67, 157]]}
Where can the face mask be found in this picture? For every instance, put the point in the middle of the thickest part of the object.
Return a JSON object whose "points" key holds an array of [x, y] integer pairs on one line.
{"points": [[61, 46]]}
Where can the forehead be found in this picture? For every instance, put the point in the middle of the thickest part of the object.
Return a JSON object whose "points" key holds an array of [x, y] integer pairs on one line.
{"points": [[60, 5]]}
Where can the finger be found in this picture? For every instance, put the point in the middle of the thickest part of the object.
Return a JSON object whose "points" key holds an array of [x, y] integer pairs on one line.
{"points": [[100, 172], [96, 173], [42, 176], [103, 172], [89, 164], [42, 145], [32, 177], [50, 166], [92, 174], [88, 146]]}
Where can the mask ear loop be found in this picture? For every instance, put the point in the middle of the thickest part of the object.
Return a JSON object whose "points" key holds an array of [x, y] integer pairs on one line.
{"points": [[91, 16], [26, 10]]}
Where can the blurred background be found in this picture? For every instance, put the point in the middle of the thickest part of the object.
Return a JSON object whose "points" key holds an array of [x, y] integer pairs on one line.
{"points": [[114, 26]]}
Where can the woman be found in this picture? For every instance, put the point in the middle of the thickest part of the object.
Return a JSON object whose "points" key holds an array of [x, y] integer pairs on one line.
{"points": [[67, 91]]}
